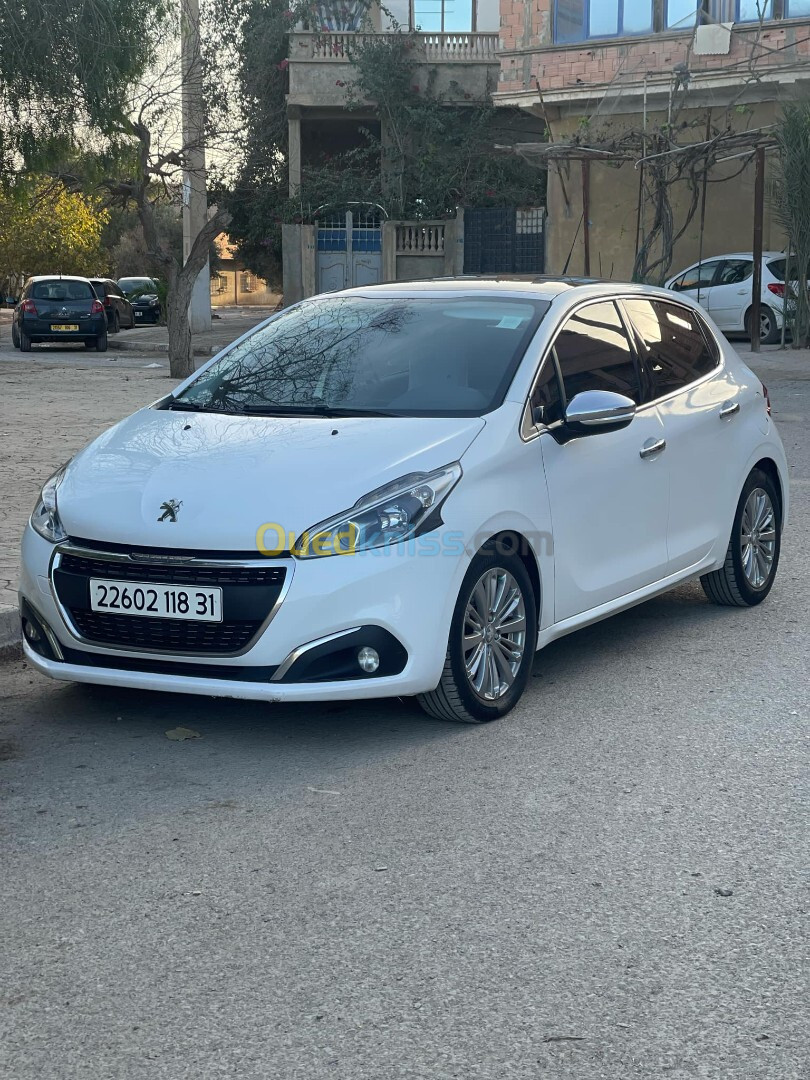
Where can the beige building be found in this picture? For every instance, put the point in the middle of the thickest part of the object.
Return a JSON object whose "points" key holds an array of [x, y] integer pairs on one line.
{"points": [[593, 71], [235, 285]]}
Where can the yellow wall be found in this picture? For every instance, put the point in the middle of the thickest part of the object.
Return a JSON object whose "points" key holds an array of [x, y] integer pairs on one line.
{"points": [[613, 209]]}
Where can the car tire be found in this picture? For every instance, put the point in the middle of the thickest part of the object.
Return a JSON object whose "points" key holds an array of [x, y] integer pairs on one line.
{"points": [[747, 575], [770, 333], [101, 342], [15, 337], [483, 692], [25, 342], [115, 324]]}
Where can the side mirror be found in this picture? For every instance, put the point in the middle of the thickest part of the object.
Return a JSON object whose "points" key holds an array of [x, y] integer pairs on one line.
{"points": [[593, 411]]}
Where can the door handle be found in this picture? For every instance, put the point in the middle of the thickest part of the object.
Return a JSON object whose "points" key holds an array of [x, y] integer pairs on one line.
{"points": [[729, 408], [652, 446]]}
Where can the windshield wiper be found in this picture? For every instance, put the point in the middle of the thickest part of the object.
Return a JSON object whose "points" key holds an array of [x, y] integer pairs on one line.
{"points": [[186, 406], [327, 411]]}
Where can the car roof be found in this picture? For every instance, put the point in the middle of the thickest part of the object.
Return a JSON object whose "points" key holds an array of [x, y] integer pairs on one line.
{"points": [[58, 277], [538, 286]]}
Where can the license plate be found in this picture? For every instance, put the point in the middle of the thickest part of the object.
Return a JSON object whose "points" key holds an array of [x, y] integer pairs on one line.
{"points": [[156, 601], [138, 314], [66, 326]]}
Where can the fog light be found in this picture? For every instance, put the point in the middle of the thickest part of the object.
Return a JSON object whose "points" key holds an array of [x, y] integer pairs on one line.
{"points": [[368, 659], [31, 632]]}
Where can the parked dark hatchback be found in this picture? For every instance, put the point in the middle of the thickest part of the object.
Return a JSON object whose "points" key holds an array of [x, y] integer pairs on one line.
{"points": [[143, 295], [120, 315], [59, 309]]}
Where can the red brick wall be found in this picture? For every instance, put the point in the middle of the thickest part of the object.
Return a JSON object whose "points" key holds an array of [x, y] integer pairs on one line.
{"points": [[527, 51]]}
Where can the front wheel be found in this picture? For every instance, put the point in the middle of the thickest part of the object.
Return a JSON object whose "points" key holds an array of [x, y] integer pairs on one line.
{"points": [[748, 573], [492, 642]]}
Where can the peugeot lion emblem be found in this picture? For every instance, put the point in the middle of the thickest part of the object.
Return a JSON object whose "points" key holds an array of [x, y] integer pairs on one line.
{"points": [[170, 508]]}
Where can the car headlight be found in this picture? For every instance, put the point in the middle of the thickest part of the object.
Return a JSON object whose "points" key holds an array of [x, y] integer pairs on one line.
{"points": [[386, 516], [45, 518]]}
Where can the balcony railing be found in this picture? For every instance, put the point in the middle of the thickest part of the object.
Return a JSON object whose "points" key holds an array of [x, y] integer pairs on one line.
{"points": [[328, 45]]}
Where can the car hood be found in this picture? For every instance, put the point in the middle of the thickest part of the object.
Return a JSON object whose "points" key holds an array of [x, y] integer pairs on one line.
{"points": [[233, 474]]}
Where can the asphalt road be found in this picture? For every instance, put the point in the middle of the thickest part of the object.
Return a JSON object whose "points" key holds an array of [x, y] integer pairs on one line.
{"points": [[611, 882]]}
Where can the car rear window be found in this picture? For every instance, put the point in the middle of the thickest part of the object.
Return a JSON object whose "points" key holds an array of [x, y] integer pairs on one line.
{"points": [[62, 290], [141, 284], [778, 267]]}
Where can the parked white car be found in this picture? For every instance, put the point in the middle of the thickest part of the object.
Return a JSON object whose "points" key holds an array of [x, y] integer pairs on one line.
{"points": [[723, 286], [408, 489]]}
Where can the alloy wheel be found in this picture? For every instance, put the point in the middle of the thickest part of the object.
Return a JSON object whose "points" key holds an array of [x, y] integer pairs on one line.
{"points": [[494, 634], [764, 325], [758, 538]]}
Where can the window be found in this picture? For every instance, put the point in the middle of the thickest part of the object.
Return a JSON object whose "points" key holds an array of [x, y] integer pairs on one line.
{"points": [[413, 357], [60, 289], [545, 402], [594, 353], [754, 10], [794, 9], [578, 20], [778, 267], [698, 277], [672, 343], [735, 271], [443, 16], [683, 14]]}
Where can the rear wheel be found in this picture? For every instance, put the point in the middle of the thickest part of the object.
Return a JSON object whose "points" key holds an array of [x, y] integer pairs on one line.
{"points": [[748, 573], [101, 342], [115, 323], [15, 337], [25, 342], [492, 642], [769, 333]]}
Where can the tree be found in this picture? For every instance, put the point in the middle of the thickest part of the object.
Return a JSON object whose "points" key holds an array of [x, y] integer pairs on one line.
{"points": [[65, 63], [44, 228], [792, 208]]}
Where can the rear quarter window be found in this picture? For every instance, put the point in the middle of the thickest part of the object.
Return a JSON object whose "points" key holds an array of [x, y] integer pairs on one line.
{"points": [[675, 347]]}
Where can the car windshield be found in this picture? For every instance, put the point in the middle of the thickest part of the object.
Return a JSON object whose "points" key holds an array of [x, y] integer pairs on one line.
{"points": [[136, 285], [351, 354], [59, 289]]}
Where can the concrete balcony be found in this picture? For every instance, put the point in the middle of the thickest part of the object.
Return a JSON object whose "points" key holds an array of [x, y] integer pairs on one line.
{"points": [[466, 65]]}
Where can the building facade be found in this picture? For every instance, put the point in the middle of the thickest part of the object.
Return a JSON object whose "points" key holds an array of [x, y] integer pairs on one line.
{"points": [[592, 69]]}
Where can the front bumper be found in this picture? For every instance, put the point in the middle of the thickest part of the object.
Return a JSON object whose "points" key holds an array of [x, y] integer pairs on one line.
{"points": [[403, 597]]}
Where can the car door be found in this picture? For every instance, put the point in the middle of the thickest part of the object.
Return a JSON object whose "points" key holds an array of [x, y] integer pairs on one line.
{"points": [[697, 281], [608, 502], [699, 405], [730, 295]]}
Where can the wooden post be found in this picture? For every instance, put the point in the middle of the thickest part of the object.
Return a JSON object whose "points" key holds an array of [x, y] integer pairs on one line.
{"points": [[586, 210], [759, 213]]}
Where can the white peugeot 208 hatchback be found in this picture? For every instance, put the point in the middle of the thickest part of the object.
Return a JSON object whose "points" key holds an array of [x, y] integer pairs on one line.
{"points": [[408, 489]]}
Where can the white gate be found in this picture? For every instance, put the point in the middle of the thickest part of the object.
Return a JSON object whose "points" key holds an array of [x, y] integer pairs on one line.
{"points": [[349, 249]]}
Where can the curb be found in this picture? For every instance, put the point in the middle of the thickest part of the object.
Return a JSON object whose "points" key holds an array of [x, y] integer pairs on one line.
{"points": [[160, 349]]}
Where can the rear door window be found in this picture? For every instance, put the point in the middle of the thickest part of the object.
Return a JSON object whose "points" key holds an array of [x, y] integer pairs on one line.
{"points": [[594, 353], [673, 345], [735, 271]]}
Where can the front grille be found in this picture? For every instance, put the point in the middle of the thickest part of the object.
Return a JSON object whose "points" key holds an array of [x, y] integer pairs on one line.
{"points": [[168, 574], [167, 635], [249, 594]]}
